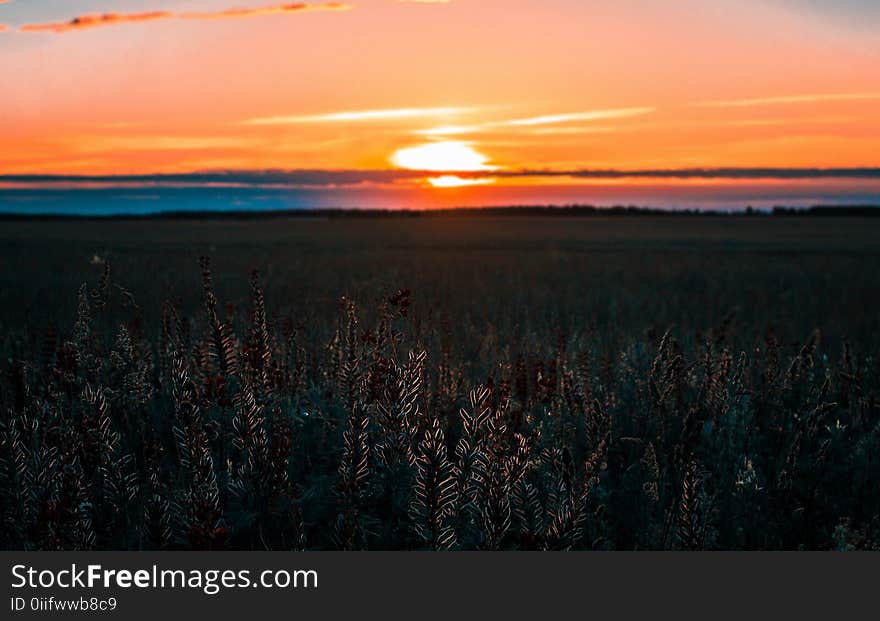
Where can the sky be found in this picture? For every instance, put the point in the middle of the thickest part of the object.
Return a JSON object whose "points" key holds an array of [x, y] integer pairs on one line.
{"points": [[433, 103]]}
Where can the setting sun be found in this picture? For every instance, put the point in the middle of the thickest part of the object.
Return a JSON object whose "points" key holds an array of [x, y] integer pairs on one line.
{"points": [[445, 156]]}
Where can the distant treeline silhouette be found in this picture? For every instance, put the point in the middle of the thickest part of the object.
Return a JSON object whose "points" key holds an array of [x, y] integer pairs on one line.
{"points": [[835, 211]]}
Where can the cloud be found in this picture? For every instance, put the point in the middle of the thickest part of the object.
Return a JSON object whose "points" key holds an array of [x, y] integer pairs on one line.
{"points": [[705, 173], [448, 130], [345, 177], [360, 115], [592, 115], [282, 9], [576, 130], [109, 19], [93, 21], [527, 124], [253, 178], [789, 99]]}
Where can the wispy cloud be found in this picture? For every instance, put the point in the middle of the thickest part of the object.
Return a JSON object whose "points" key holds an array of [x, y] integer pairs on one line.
{"points": [[790, 99], [591, 115], [573, 130], [448, 130], [282, 9], [93, 21], [83, 22], [539, 121], [360, 115]]}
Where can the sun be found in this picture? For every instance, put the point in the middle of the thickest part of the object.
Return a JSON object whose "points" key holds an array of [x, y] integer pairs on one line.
{"points": [[443, 156]]}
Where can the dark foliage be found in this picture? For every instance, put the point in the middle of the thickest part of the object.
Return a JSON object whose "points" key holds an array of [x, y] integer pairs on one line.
{"points": [[245, 430]]}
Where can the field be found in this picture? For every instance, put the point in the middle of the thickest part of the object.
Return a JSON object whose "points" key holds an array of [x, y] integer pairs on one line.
{"points": [[463, 382]]}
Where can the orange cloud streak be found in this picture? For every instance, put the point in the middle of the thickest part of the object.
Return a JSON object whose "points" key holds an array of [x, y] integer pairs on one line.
{"points": [[282, 9], [791, 99], [93, 21], [109, 19]]}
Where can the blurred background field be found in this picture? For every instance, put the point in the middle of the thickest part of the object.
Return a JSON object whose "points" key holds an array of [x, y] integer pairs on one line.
{"points": [[507, 279]]}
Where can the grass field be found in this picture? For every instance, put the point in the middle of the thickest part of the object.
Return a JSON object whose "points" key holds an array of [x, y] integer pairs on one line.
{"points": [[467, 382]]}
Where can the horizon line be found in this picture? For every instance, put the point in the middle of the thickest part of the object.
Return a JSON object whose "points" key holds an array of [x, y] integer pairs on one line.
{"points": [[550, 209]]}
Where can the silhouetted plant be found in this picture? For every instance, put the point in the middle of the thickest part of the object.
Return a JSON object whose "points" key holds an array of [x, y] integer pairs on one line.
{"points": [[382, 429]]}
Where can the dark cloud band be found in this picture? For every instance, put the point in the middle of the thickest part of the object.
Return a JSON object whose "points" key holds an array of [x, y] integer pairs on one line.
{"points": [[330, 178]]}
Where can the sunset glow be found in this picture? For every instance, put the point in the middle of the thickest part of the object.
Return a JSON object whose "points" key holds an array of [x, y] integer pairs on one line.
{"points": [[184, 86], [454, 181], [441, 156]]}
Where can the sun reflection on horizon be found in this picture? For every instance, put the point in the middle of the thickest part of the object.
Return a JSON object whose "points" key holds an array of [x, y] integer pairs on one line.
{"points": [[454, 181]]}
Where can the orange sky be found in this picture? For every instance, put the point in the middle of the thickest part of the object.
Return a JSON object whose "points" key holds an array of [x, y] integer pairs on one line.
{"points": [[482, 85]]}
